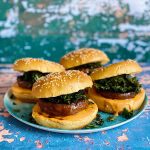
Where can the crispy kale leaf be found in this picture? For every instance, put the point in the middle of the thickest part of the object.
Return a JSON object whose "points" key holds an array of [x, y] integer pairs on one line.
{"points": [[68, 98], [98, 121], [32, 76], [127, 114], [111, 118], [89, 66], [119, 84]]}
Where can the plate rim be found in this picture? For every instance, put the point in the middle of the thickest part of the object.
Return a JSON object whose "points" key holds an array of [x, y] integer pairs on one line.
{"points": [[78, 131]]}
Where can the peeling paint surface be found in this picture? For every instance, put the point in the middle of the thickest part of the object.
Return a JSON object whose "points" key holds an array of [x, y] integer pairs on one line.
{"points": [[38, 144], [16, 135], [3, 133], [22, 139], [122, 138], [33, 27]]}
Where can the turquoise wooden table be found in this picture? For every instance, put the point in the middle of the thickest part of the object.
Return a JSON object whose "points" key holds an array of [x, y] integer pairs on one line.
{"points": [[16, 135]]}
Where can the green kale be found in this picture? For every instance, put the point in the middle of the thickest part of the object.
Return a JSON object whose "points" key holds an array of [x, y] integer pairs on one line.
{"points": [[31, 119], [98, 121], [12, 96], [89, 66], [119, 84], [127, 114], [68, 98], [16, 110], [32, 76], [111, 118], [14, 103]]}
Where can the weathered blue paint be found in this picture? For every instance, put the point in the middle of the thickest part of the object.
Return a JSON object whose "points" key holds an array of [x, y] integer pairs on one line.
{"points": [[134, 135]]}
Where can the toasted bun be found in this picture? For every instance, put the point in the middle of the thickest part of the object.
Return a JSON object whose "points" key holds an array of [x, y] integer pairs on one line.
{"points": [[124, 67], [116, 106], [34, 64], [83, 56], [60, 83], [24, 95], [76, 121]]}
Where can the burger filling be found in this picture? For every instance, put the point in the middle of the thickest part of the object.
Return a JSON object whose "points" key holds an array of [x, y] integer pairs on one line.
{"points": [[64, 105], [87, 68], [28, 78], [118, 87]]}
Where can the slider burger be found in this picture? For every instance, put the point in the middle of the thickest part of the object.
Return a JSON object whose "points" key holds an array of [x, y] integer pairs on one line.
{"points": [[62, 101], [32, 70], [85, 59], [115, 88]]}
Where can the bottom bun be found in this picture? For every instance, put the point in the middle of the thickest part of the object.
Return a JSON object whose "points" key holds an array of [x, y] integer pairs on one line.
{"points": [[116, 106], [24, 95], [76, 121]]}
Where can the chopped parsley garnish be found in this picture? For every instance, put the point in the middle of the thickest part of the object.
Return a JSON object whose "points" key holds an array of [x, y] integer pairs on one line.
{"points": [[12, 96], [90, 66], [119, 84], [16, 110], [98, 121], [127, 114], [31, 119], [31, 76], [68, 98], [14, 103], [111, 118]]}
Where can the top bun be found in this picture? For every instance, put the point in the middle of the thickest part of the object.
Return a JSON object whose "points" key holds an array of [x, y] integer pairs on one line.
{"points": [[61, 83], [124, 67], [83, 56], [34, 64]]}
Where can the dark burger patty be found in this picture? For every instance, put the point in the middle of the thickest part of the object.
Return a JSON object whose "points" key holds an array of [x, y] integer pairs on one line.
{"points": [[54, 109], [113, 95], [24, 84], [87, 68], [29, 78]]}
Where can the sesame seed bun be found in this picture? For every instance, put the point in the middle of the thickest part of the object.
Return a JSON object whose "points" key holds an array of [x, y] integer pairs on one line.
{"points": [[116, 106], [61, 83], [124, 67], [83, 56], [23, 95], [76, 121], [34, 64]]}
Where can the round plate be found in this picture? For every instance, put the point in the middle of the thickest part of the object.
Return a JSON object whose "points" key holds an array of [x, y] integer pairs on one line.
{"points": [[22, 112]]}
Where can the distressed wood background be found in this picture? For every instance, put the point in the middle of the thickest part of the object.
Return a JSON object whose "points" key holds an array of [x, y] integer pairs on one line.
{"points": [[51, 28]]}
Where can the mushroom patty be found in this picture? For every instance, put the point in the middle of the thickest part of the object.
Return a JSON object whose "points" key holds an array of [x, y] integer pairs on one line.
{"points": [[54, 109], [64, 105], [28, 78]]}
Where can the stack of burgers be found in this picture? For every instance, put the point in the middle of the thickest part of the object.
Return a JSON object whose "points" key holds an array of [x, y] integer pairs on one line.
{"points": [[71, 98]]}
